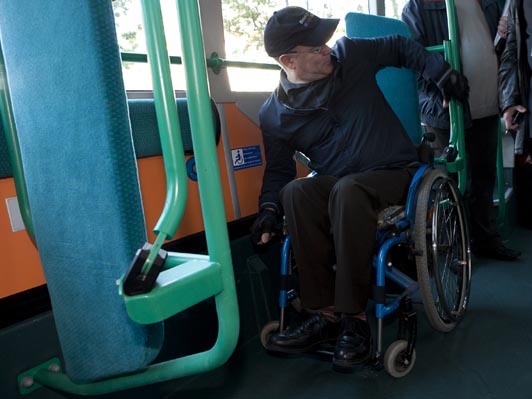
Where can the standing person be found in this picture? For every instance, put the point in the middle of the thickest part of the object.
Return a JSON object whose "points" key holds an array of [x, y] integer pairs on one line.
{"points": [[514, 91], [329, 107], [478, 22]]}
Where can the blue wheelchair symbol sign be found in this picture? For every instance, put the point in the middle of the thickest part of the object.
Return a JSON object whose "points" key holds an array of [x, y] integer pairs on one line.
{"points": [[246, 157], [238, 157]]}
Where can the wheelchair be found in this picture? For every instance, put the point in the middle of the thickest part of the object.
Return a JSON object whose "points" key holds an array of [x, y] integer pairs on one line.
{"points": [[431, 231]]}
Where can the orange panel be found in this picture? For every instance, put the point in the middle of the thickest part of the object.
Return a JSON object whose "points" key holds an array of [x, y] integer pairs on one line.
{"points": [[153, 187], [243, 132], [20, 266]]}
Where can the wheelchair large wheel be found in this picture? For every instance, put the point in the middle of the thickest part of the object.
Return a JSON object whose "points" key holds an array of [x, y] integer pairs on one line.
{"points": [[443, 258]]}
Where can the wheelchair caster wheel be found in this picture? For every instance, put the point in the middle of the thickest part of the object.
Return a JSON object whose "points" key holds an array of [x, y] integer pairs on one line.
{"points": [[395, 363], [270, 328]]}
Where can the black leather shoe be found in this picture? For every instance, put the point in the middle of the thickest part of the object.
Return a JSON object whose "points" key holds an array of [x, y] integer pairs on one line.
{"points": [[303, 337], [497, 251], [354, 344]]}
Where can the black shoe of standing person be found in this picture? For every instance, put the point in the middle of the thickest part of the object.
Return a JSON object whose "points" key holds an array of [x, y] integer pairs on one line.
{"points": [[305, 336], [354, 344], [497, 251]]}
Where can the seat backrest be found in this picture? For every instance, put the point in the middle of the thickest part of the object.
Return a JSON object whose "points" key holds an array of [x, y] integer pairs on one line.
{"points": [[398, 85], [145, 128], [81, 176]]}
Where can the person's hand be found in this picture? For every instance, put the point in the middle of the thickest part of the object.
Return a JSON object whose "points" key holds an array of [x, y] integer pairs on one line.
{"points": [[502, 27], [453, 84], [510, 115], [263, 229]]}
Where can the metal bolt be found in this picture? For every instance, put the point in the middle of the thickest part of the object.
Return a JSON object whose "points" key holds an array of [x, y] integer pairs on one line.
{"points": [[26, 382], [54, 367]]}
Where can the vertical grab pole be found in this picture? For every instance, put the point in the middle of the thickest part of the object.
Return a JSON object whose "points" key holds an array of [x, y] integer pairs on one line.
{"points": [[167, 119], [456, 112], [210, 188], [169, 130], [501, 186]]}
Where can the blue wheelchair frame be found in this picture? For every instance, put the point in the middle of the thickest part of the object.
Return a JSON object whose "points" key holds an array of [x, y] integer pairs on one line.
{"points": [[384, 242]]}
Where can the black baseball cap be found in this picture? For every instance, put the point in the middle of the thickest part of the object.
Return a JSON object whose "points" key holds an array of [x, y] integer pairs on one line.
{"points": [[295, 26]]}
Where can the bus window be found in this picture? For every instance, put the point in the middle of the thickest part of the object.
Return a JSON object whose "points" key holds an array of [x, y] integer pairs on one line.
{"points": [[394, 8], [132, 39], [244, 22]]}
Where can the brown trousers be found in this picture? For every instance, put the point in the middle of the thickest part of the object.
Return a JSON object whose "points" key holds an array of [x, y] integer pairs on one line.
{"points": [[334, 221]]}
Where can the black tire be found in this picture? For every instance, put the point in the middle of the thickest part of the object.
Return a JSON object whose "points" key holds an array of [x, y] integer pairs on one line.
{"points": [[270, 328], [443, 257]]}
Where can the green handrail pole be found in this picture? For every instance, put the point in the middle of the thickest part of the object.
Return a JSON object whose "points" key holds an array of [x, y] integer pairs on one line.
{"points": [[214, 62], [501, 186], [168, 122], [15, 156], [456, 112], [210, 186]]}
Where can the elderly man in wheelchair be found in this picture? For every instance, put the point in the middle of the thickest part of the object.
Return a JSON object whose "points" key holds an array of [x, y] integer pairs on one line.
{"points": [[329, 107]]}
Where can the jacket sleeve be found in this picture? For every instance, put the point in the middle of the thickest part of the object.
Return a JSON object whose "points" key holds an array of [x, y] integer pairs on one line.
{"points": [[400, 51], [280, 170], [509, 94]]}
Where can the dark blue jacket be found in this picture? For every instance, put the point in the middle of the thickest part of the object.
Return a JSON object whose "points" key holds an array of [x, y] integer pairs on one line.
{"points": [[515, 73], [427, 20], [352, 128]]}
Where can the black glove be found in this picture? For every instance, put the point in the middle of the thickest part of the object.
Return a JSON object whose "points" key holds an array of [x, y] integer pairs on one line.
{"points": [[454, 84], [265, 223]]}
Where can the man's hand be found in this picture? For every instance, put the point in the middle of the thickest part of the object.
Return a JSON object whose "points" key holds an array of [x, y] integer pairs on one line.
{"points": [[510, 113], [502, 27], [263, 229], [453, 84]]}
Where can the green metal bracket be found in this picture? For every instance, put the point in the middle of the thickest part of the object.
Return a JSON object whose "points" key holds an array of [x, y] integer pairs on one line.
{"points": [[215, 63], [26, 380], [177, 289]]}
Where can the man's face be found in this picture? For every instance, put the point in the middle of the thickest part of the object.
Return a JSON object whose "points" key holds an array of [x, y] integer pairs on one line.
{"points": [[311, 63]]}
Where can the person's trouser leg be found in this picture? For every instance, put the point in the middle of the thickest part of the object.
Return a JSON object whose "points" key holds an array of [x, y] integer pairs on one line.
{"points": [[354, 205], [481, 147], [305, 206]]}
